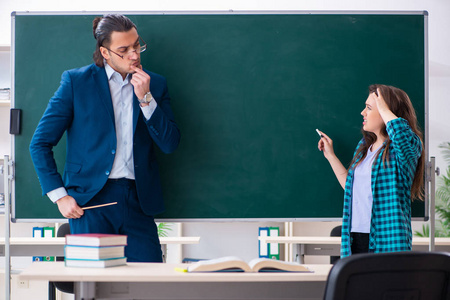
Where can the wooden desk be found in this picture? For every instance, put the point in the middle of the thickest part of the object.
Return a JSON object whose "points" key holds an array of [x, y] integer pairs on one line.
{"points": [[330, 246], [25, 246], [161, 281]]}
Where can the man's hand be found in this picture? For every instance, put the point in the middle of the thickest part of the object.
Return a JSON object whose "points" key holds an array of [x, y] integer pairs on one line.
{"points": [[69, 208], [141, 82]]}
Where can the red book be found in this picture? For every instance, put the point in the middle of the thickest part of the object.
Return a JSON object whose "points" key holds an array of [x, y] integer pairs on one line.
{"points": [[96, 239]]}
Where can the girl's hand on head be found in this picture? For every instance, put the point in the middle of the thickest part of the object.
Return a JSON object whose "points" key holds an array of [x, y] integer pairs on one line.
{"points": [[383, 109], [379, 100]]}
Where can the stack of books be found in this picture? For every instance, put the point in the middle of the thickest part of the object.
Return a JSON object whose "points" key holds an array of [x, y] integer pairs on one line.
{"points": [[95, 250]]}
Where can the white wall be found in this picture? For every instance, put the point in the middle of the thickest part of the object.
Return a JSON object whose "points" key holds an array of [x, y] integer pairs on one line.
{"points": [[219, 239], [4, 132], [5, 82]]}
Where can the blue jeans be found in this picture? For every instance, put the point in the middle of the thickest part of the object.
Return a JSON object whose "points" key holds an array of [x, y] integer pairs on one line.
{"points": [[126, 217]]}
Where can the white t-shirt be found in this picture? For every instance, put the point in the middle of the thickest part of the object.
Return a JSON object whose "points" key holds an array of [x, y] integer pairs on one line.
{"points": [[362, 194]]}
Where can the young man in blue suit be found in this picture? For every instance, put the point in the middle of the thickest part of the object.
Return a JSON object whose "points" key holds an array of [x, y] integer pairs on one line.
{"points": [[113, 112]]}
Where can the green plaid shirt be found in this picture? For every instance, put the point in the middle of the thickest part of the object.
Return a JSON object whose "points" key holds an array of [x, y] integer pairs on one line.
{"points": [[390, 228]]}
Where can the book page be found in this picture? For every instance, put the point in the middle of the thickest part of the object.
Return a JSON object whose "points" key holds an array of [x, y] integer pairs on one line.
{"points": [[272, 265], [223, 264]]}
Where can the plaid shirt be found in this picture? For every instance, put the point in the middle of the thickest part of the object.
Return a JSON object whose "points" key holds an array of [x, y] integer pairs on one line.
{"points": [[390, 228]]}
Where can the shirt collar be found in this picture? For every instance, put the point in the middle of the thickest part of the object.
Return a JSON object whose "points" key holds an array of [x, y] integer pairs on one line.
{"points": [[110, 72]]}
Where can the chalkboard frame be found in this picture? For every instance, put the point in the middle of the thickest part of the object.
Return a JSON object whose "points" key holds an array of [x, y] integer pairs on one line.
{"points": [[426, 121]]}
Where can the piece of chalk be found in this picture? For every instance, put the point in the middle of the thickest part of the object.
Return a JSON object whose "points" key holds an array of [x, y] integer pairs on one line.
{"points": [[318, 132]]}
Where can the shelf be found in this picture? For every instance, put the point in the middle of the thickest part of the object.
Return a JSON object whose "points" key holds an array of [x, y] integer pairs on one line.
{"points": [[5, 48], [5, 102]]}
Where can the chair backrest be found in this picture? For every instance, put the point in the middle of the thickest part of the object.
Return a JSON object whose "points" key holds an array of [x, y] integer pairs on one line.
{"points": [[389, 276], [336, 231], [63, 230], [63, 286]]}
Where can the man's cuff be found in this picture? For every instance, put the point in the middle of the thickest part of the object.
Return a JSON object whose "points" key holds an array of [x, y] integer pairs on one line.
{"points": [[57, 194], [149, 109]]}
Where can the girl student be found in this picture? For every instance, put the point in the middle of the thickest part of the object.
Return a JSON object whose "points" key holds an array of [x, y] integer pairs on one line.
{"points": [[386, 173]]}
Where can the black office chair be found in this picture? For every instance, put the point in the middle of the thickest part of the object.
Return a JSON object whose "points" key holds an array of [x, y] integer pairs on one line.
{"points": [[336, 231], [66, 287], [385, 276]]}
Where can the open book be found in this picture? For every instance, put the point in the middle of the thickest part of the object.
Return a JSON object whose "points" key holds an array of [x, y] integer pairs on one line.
{"points": [[235, 264]]}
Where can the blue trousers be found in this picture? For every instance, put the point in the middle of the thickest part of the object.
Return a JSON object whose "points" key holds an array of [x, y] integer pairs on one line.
{"points": [[126, 217]]}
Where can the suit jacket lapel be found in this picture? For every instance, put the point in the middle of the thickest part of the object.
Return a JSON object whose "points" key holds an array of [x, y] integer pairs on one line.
{"points": [[102, 84], [136, 110]]}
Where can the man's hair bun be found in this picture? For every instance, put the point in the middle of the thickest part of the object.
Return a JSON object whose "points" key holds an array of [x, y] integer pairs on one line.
{"points": [[95, 24]]}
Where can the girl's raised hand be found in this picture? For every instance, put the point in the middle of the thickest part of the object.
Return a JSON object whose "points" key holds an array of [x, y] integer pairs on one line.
{"points": [[326, 145]]}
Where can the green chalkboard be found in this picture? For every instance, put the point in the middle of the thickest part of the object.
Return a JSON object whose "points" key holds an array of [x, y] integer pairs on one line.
{"points": [[248, 92]]}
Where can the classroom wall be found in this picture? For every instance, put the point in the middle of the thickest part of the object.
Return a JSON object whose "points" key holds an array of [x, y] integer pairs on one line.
{"points": [[439, 23], [4, 132], [239, 238], [5, 82]]}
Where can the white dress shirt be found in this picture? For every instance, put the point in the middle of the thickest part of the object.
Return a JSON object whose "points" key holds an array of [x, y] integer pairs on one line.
{"points": [[122, 100]]}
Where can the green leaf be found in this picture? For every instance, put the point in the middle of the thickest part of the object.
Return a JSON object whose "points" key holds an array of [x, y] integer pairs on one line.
{"points": [[425, 231], [163, 229]]}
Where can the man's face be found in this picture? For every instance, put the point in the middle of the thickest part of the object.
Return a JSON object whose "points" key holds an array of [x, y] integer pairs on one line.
{"points": [[125, 44]]}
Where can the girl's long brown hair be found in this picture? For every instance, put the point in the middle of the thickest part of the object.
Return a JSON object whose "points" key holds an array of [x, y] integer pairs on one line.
{"points": [[400, 104]]}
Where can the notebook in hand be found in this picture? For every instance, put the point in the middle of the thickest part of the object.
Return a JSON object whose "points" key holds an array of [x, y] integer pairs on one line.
{"points": [[235, 264]]}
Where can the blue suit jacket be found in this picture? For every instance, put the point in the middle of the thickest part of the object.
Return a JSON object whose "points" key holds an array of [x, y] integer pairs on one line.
{"points": [[82, 107]]}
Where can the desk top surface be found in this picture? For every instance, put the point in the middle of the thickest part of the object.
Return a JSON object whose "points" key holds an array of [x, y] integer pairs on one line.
{"points": [[337, 240], [160, 272], [23, 241]]}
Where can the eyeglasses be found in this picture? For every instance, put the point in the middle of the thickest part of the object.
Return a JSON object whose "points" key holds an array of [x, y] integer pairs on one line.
{"points": [[138, 49]]}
